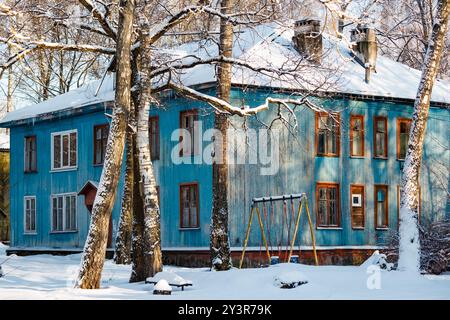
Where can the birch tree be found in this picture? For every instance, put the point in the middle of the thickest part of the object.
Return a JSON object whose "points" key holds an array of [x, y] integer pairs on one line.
{"points": [[219, 242], [409, 246], [95, 248], [122, 253]]}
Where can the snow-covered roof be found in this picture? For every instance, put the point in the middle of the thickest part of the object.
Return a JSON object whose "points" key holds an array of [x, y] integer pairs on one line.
{"points": [[268, 46], [75, 98], [271, 46]]}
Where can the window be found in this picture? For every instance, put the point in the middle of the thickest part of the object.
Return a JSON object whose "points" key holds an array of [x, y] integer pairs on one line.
{"points": [[30, 214], [64, 212], [403, 126], [153, 127], [189, 211], [380, 137], [381, 207], [327, 134], [357, 206], [357, 136], [189, 137], [30, 154], [64, 150], [100, 140], [327, 202]]}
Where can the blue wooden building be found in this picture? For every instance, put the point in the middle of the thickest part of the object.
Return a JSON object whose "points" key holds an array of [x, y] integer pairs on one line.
{"points": [[348, 160]]}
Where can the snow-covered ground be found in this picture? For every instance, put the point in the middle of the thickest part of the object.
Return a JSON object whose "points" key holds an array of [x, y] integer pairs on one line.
{"points": [[51, 277]]}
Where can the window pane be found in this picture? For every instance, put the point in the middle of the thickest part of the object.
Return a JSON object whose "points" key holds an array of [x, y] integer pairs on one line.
{"points": [[323, 121], [193, 206], [381, 126], [33, 214], [73, 214], [67, 213], [381, 207], [333, 206], [333, 213], [357, 144], [184, 207], [332, 142], [380, 144], [57, 151], [321, 142], [60, 214], [98, 133], [27, 154], [73, 149], [33, 160], [65, 150], [55, 214], [357, 137], [27, 214], [403, 145], [322, 206]]}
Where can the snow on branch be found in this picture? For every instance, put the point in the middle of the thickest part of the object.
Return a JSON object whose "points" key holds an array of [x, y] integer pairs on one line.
{"points": [[6, 11], [100, 17], [177, 65], [185, 13], [225, 107], [26, 47]]}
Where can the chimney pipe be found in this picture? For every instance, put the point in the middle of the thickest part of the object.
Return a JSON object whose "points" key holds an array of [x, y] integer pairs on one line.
{"points": [[365, 48], [308, 39]]}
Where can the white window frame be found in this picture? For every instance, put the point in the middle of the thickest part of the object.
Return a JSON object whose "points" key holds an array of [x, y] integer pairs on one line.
{"points": [[62, 133], [63, 195], [25, 199]]}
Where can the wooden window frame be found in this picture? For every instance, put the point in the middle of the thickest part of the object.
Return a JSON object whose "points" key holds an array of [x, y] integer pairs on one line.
{"points": [[398, 206], [363, 206], [100, 126], [157, 147], [338, 135], [64, 230], [63, 133], [338, 197], [375, 202], [25, 168], [194, 151], [399, 121], [386, 140], [352, 118], [25, 230], [185, 185]]}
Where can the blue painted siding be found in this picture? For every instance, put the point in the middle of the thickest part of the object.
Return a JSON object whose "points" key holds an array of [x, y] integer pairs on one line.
{"points": [[44, 183], [300, 170]]}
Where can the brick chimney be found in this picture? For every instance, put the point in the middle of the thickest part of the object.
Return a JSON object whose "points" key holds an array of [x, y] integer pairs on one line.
{"points": [[308, 39], [365, 48]]}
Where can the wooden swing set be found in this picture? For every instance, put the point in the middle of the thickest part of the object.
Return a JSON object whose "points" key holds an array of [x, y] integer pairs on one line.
{"points": [[270, 218]]}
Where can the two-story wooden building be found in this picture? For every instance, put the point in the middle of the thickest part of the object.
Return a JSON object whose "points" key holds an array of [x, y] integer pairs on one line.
{"points": [[57, 150]]}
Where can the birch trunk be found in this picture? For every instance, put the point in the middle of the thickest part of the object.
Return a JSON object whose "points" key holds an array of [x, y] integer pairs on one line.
{"points": [[95, 248], [409, 247], [123, 240], [146, 227], [219, 242]]}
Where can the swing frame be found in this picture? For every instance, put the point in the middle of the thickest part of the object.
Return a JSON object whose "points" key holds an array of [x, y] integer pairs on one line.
{"points": [[303, 200]]}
